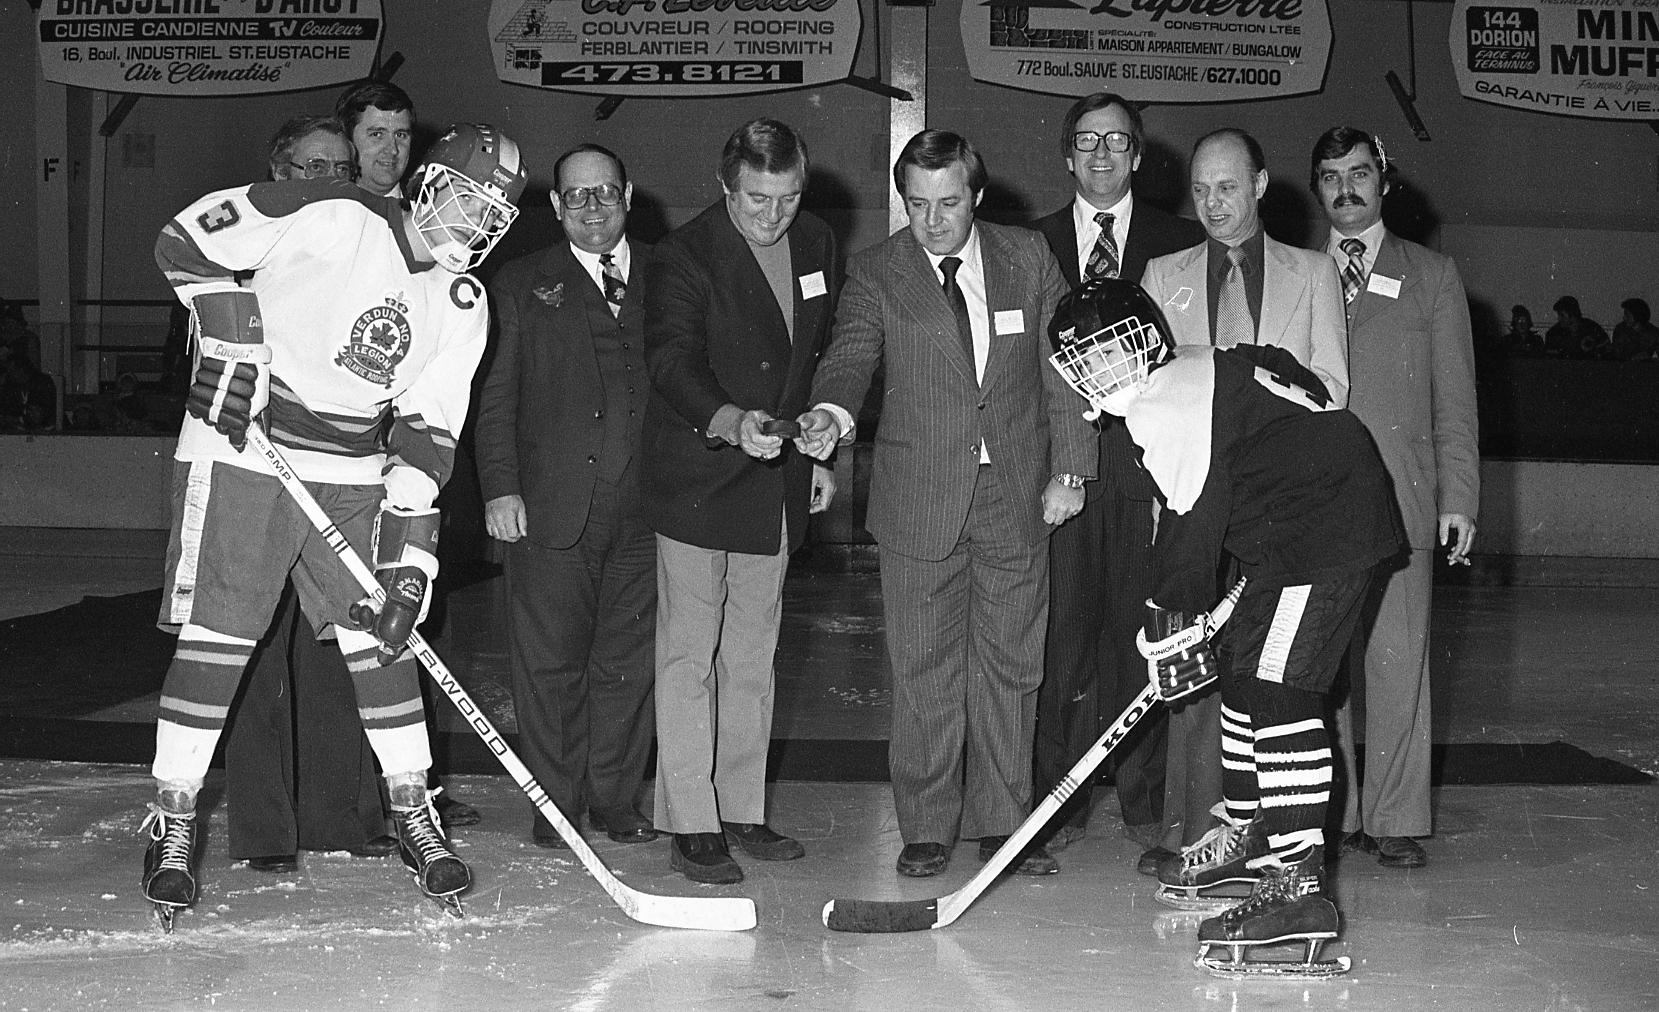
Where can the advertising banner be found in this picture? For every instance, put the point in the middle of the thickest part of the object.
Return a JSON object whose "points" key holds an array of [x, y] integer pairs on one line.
{"points": [[207, 47], [1593, 58], [683, 48], [1151, 50]]}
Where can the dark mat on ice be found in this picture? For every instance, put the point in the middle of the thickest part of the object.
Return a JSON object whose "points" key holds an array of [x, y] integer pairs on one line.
{"points": [[62, 665]]}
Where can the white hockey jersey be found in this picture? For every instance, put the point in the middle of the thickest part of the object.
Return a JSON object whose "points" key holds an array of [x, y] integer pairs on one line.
{"points": [[373, 352]]}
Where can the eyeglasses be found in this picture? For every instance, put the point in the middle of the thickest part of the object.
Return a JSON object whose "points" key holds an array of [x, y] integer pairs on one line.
{"points": [[576, 197], [320, 168], [1116, 141]]}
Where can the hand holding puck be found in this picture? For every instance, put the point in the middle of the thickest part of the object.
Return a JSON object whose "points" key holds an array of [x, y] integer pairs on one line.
{"points": [[780, 427]]}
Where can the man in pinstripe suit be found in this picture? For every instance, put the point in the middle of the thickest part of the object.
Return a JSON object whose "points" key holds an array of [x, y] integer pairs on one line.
{"points": [[981, 451]]}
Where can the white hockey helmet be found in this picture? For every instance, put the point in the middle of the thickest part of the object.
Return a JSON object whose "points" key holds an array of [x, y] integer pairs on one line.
{"points": [[464, 194], [1107, 336]]}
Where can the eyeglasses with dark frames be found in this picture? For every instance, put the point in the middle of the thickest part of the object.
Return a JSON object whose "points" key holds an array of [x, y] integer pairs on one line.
{"points": [[576, 197], [1117, 141]]}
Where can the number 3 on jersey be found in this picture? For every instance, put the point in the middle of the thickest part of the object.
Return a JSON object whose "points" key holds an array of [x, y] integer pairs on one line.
{"points": [[218, 218]]}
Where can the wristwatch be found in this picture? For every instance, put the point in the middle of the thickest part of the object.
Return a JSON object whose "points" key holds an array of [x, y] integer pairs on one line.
{"points": [[1070, 480]]}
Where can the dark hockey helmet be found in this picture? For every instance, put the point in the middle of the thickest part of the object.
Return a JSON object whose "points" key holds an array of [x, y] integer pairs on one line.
{"points": [[465, 191], [1107, 336]]}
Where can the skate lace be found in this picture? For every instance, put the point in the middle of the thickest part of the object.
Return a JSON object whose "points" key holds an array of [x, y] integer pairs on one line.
{"points": [[172, 831], [1277, 885], [1218, 846], [425, 831]]}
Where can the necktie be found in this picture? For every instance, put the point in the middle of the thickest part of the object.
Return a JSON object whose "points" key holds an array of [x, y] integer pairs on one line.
{"points": [[959, 306], [1233, 324], [1103, 259], [1353, 275], [615, 287]]}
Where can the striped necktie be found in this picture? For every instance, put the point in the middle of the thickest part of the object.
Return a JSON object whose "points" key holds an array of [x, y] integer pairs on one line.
{"points": [[1353, 275], [615, 287], [1233, 324], [1103, 259]]}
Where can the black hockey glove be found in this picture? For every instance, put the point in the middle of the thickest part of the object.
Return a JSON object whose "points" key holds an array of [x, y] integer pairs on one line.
{"points": [[1176, 646], [232, 383], [405, 562]]}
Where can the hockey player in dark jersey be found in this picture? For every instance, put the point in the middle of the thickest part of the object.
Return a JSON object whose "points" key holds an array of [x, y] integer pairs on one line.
{"points": [[1249, 457], [356, 352]]}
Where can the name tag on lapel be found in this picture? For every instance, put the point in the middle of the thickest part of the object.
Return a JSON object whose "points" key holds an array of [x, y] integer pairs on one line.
{"points": [[812, 285], [1010, 321], [1384, 286]]}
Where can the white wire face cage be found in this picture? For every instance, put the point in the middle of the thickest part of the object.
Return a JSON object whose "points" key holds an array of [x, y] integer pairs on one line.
{"points": [[460, 219], [1114, 359]]}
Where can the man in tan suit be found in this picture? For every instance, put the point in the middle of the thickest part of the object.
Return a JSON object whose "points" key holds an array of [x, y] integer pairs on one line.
{"points": [[1290, 297], [1239, 286], [1413, 370], [981, 451]]}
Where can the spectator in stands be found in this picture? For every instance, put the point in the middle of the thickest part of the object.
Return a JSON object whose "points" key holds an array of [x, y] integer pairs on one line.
{"points": [[1573, 336], [28, 397], [1521, 341], [1635, 339], [15, 333]]}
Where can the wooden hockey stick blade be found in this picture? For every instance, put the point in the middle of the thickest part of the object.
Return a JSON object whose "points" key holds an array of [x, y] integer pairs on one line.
{"points": [[708, 913], [870, 916]]}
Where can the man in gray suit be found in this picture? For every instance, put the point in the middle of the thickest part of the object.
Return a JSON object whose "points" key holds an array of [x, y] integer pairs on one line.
{"points": [[981, 451], [1412, 364], [1239, 286]]}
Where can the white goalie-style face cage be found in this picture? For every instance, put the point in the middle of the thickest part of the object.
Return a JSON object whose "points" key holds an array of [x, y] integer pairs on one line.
{"points": [[1107, 367], [464, 195]]}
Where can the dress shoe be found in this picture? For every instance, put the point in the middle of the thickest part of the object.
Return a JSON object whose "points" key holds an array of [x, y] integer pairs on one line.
{"points": [[380, 846], [1036, 860], [703, 857], [1150, 859], [1358, 840], [1064, 837], [923, 860], [760, 841], [275, 864], [623, 824], [1400, 852], [455, 813]]}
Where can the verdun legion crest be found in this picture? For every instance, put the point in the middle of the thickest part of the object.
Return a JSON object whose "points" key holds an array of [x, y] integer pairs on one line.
{"points": [[379, 341]]}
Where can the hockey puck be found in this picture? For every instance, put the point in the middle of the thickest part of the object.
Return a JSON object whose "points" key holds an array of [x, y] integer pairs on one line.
{"points": [[780, 427]]}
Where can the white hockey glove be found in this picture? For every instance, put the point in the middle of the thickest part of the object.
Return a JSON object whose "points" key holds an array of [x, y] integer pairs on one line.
{"points": [[232, 383], [1176, 646], [405, 562]]}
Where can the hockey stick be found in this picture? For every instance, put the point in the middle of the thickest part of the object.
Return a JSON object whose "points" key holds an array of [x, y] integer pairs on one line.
{"points": [[709, 913], [870, 916]]}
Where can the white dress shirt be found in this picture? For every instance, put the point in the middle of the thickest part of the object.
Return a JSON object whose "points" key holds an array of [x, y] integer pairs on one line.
{"points": [[970, 277], [620, 255], [1082, 220], [1371, 237]]}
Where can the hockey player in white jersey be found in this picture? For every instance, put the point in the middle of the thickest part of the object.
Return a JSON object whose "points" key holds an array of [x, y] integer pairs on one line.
{"points": [[1251, 457], [354, 345]]}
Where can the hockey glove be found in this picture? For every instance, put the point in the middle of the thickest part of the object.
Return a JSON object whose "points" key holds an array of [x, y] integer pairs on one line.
{"points": [[405, 562], [1176, 646], [232, 384]]}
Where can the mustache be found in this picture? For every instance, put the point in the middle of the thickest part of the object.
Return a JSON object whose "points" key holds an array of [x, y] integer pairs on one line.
{"points": [[1348, 198]]}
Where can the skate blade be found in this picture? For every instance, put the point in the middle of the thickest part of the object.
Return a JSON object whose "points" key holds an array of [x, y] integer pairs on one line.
{"points": [[1214, 903], [165, 913], [1324, 969]]}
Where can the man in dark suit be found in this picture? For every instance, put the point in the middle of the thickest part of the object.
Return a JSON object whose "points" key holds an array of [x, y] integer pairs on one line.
{"points": [[981, 451], [1411, 363], [1099, 578], [738, 305], [558, 440]]}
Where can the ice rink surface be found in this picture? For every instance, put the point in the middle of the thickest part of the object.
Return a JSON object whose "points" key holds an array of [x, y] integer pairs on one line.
{"points": [[1535, 898]]}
